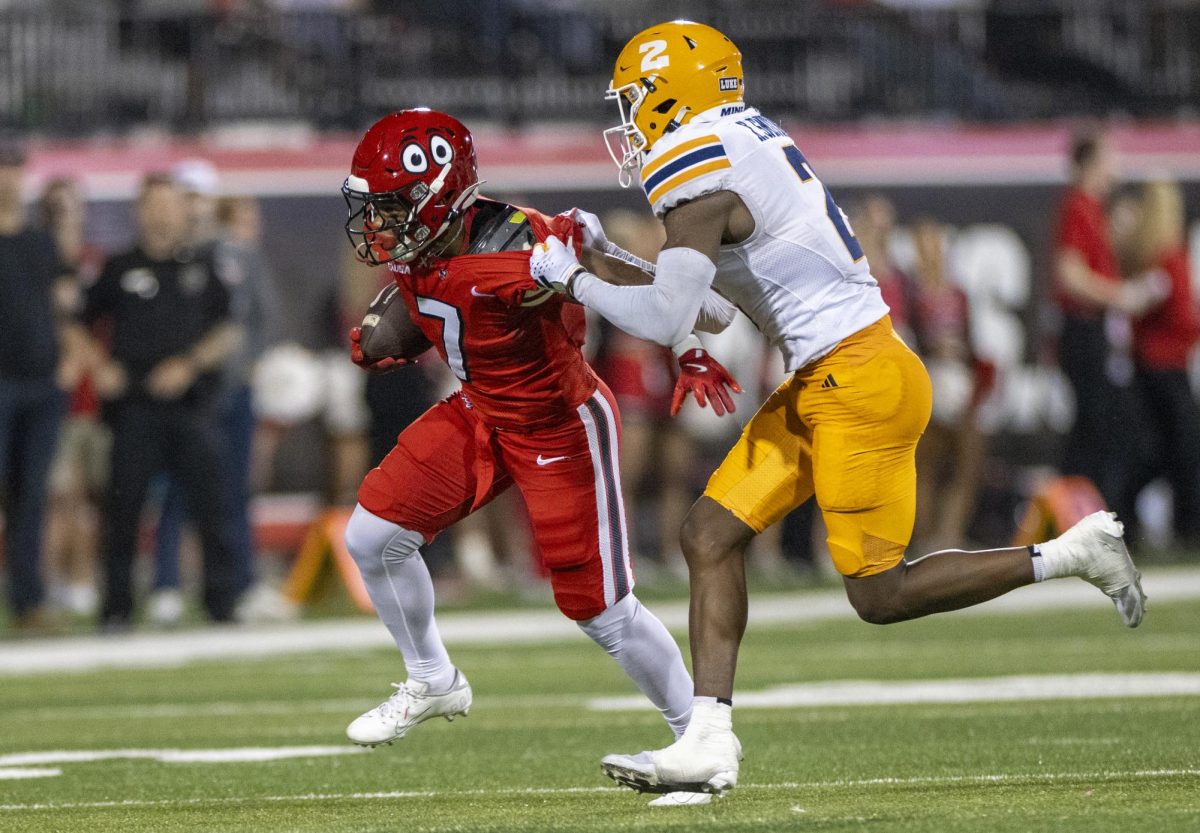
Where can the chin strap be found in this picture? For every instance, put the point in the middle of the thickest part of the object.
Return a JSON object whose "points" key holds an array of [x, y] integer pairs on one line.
{"points": [[461, 203]]}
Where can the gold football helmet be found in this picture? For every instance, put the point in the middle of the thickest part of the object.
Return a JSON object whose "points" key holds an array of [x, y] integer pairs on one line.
{"points": [[664, 76]]}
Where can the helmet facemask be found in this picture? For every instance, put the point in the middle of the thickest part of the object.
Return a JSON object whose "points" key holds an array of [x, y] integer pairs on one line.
{"points": [[626, 142], [386, 227]]}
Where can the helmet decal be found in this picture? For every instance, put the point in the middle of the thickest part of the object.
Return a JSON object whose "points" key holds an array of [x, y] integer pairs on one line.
{"points": [[414, 159], [440, 149]]}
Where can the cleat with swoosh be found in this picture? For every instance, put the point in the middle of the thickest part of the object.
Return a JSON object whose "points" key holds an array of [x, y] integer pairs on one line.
{"points": [[412, 703]]}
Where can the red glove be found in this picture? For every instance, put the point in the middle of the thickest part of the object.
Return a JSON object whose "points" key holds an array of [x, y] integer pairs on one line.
{"points": [[705, 377], [384, 365]]}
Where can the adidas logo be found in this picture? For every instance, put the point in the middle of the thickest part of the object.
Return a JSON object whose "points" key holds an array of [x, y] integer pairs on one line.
{"points": [[829, 382]]}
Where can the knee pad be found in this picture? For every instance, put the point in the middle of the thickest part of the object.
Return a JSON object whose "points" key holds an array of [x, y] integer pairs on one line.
{"points": [[373, 541]]}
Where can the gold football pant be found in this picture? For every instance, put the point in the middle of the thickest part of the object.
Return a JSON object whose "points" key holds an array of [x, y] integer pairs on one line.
{"points": [[846, 429]]}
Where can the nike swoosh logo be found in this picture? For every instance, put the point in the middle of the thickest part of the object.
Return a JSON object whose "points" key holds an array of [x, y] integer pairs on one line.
{"points": [[699, 368], [475, 291], [545, 461]]}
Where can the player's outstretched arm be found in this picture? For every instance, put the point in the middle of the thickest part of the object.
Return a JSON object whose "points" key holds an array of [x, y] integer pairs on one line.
{"points": [[620, 266], [666, 310], [616, 271], [716, 313]]}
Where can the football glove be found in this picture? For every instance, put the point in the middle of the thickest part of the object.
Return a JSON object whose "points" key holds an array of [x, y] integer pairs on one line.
{"points": [[706, 379], [384, 365], [591, 231], [553, 264]]}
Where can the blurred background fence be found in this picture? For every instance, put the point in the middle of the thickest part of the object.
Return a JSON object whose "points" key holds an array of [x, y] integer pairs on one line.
{"points": [[76, 68]]}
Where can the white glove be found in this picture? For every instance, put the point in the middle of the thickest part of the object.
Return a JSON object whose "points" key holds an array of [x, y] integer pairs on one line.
{"points": [[593, 232], [553, 264]]}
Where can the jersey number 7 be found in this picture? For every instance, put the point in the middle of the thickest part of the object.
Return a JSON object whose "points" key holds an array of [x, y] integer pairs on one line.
{"points": [[452, 333], [800, 165]]}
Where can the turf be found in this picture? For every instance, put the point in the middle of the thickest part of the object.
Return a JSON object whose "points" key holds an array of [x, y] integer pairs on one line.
{"points": [[526, 758]]}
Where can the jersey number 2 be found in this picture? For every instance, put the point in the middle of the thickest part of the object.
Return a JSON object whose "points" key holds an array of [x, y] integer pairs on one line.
{"points": [[800, 165], [452, 333]]}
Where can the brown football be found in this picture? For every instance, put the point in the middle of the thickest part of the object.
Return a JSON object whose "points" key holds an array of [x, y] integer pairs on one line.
{"points": [[388, 331]]}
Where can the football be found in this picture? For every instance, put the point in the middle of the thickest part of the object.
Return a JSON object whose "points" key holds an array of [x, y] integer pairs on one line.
{"points": [[388, 331]]}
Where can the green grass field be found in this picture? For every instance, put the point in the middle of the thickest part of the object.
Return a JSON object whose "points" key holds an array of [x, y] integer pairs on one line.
{"points": [[527, 757]]}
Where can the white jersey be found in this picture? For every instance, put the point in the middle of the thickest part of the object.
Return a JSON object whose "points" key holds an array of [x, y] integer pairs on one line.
{"points": [[801, 277]]}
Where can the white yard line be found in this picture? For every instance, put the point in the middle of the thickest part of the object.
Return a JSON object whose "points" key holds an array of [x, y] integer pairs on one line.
{"points": [[251, 708], [847, 693], [166, 650], [17, 765], [16, 774], [245, 754], [969, 690], [930, 780]]}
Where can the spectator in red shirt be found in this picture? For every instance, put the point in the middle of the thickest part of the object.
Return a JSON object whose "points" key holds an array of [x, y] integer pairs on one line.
{"points": [[1163, 339], [1096, 306]]}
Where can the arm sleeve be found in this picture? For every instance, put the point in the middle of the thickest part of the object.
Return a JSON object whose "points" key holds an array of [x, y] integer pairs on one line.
{"points": [[664, 311], [716, 313]]}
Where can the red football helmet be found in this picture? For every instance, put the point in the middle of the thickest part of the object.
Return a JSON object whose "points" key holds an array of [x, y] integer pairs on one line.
{"points": [[413, 174]]}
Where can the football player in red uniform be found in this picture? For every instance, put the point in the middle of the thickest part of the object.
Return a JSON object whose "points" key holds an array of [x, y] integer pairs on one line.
{"points": [[530, 412]]}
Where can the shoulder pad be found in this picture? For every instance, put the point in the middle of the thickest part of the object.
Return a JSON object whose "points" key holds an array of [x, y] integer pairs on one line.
{"points": [[500, 228]]}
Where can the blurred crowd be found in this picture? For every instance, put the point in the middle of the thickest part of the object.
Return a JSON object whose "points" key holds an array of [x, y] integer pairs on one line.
{"points": [[147, 395]]}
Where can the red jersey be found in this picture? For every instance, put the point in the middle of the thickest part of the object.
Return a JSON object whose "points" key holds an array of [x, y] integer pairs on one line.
{"points": [[1164, 337], [514, 346], [1083, 228]]}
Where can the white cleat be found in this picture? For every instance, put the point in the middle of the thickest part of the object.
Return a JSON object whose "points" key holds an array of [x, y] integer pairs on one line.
{"points": [[411, 704], [703, 760], [1094, 549]]}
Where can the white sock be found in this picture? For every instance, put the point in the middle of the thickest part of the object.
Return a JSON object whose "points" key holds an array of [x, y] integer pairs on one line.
{"points": [[401, 589], [641, 645]]}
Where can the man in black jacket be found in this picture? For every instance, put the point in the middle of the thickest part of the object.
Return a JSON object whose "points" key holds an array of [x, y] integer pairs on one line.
{"points": [[171, 333]]}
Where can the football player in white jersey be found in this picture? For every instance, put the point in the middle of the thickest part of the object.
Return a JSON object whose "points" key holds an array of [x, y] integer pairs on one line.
{"points": [[746, 215]]}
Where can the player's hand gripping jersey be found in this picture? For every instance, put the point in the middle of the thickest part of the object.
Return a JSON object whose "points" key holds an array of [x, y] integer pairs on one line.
{"points": [[514, 347], [801, 276]]}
